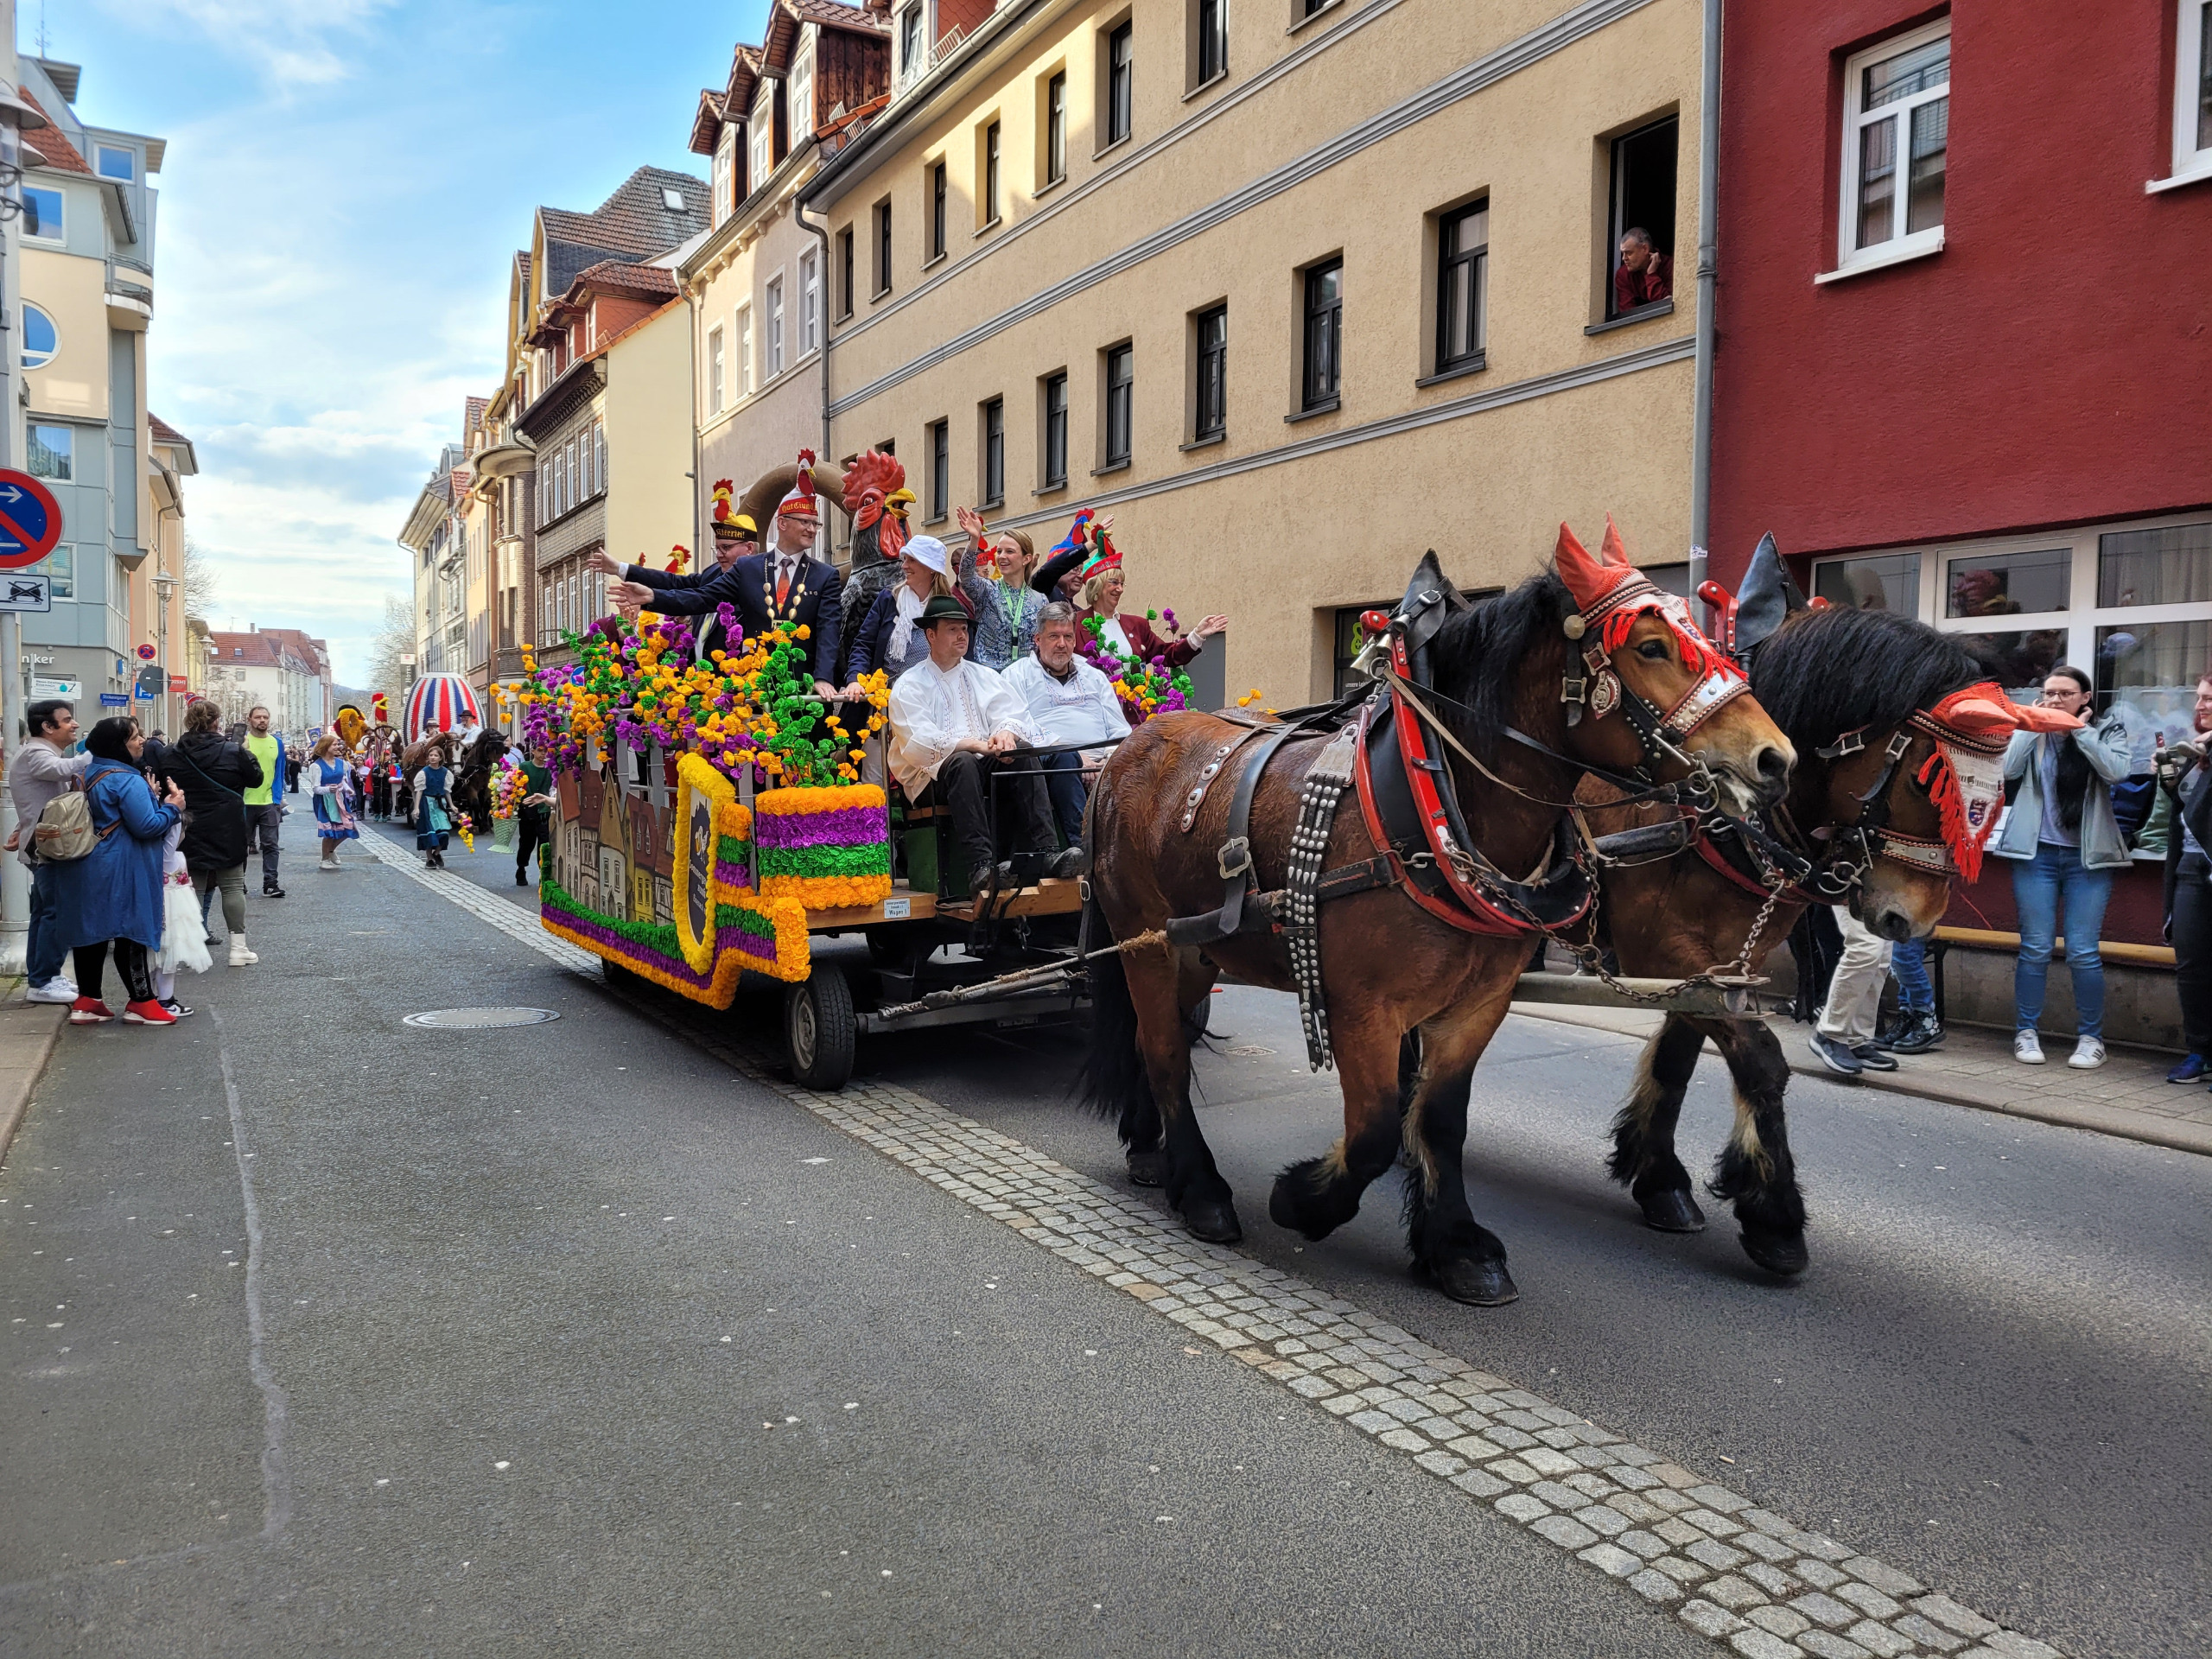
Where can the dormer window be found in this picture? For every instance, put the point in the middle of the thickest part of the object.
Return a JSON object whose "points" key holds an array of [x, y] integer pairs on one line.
{"points": [[912, 46], [764, 139], [725, 159], [113, 162], [802, 98]]}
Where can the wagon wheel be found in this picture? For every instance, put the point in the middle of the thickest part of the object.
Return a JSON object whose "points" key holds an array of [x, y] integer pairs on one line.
{"points": [[818, 1028]]}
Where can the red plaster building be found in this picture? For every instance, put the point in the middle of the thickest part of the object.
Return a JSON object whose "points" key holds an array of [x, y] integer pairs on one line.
{"points": [[1965, 337]]}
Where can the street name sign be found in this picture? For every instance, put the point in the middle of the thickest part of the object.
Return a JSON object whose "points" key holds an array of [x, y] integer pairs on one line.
{"points": [[30, 520]]}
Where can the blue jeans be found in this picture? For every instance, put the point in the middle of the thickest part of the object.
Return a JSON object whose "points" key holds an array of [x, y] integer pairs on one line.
{"points": [[2056, 875], [42, 951], [1916, 992], [1063, 782]]}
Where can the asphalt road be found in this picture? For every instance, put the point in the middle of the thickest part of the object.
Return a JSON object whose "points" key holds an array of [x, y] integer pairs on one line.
{"points": [[479, 1399]]}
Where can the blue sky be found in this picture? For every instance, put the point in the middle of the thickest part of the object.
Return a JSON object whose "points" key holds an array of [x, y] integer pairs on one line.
{"points": [[346, 181]]}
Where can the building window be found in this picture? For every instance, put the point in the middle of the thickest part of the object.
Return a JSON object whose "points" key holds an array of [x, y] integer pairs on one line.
{"points": [[995, 452], [1121, 69], [1323, 355], [1887, 582], [742, 385], [911, 48], [991, 174], [1462, 264], [802, 99], [1210, 40], [713, 371], [41, 339], [1896, 120], [42, 216], [1056, 128], [51, 451], [724, 157], [810, 303], [111, 162], [590, 447], [1056, 430], [882, 249], [772, 333], [1642, 201], [764, 140], [2193, 90], [599, 448], [1210, 399], [846, 271], [938, 192], [1120, 375], [60, 568], [940, 470]]}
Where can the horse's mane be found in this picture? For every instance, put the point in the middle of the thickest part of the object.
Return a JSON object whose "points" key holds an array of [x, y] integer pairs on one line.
{"points": [[1831, 672], [1477, 654]]}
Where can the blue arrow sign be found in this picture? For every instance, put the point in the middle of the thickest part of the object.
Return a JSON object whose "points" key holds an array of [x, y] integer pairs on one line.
{"points": [[30, 520]]}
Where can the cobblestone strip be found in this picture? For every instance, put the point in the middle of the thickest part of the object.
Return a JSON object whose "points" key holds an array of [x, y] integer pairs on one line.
{"points": [[1749, 1579]]}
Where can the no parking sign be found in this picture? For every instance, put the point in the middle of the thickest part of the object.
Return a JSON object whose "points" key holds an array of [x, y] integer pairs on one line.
{"points": [[30, 520]]}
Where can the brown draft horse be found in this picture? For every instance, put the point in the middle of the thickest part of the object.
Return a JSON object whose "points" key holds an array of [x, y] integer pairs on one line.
{"points": [[1389, 966], [1825, 673]]}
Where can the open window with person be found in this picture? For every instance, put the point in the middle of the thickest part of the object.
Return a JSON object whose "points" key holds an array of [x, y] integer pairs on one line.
{"points": [[1641, 217]]}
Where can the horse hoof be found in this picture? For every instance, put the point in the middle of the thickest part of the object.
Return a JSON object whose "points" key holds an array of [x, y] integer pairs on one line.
{"points": [[1479, 1284], [1781, 1253], [1673, 1211], [1212, 1219], [1148, 1168]]}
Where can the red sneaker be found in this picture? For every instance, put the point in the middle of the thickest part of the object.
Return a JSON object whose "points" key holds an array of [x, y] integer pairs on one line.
{"points": [[89, 1011], [147, 1014]]}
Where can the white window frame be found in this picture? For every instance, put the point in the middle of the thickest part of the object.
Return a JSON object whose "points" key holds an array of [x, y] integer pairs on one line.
{"points": [[599, 452], [771, 339], [743, 382], [912, 63], [2191, 162], [799, 95], [764, 141], [810, 297], [100, 152], [715, 405], [725, 171], [46, 362], [1900, 246]]}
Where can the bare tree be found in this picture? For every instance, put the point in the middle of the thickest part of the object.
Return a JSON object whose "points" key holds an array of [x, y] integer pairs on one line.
{"points": [[200, 588], [393, 640]]}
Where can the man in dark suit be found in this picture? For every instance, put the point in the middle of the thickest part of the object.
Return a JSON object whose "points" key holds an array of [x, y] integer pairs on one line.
{"points": [[736, 537], [785, 586]]}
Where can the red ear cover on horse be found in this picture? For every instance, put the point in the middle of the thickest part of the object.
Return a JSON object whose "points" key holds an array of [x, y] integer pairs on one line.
{"points": [[1590, 579]]}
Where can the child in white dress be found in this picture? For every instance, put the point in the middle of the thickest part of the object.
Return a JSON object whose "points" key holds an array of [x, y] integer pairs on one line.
{"points": [[184, 932]]}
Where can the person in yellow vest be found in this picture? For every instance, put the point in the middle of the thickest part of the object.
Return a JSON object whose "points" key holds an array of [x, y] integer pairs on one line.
{"points": [[264, 801]]}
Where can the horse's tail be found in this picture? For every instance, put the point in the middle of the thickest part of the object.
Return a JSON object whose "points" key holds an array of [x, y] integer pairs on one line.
{"points": [[1114, 1081]]}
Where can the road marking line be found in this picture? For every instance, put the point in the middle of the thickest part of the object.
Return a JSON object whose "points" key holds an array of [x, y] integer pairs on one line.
{"points": [[1729, 1569]]}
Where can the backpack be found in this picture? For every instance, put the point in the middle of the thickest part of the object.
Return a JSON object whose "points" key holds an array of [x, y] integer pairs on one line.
{"points": [[64, 832]]}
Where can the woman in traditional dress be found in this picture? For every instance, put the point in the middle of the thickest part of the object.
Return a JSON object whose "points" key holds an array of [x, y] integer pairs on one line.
{"points": [[329, 778], [433, 807], [1091, 557], [1006, 605]]}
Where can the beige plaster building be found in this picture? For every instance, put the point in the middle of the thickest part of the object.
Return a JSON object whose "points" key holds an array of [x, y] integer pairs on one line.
{"points": [[1294, 290], [756, 283]]}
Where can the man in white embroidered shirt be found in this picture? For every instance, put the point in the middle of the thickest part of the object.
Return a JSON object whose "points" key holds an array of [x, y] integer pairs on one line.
{"points": [[1071, 703], [952, 722]]}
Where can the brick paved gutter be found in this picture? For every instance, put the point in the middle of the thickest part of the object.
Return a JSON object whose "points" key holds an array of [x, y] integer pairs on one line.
{"points": [[2128, 1095]]}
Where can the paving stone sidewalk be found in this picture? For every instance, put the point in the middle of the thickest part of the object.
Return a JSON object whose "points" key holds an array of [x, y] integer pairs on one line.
{"points": [[26, 1034], [2127, 1096]]}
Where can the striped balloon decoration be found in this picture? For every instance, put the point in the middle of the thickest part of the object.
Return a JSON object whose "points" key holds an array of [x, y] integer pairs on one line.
{"points": [[438, 702]]}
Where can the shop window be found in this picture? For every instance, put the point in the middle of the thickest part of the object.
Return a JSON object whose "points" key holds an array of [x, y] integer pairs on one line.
{"points": [[1888, 581], [1349, 639], [2146, 676], [1641, 224], [2010, 584], [1897, 123], [2019, 659]]}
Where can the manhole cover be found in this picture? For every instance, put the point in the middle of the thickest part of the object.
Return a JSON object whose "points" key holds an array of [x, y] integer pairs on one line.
{"points": [[480, 1019]]}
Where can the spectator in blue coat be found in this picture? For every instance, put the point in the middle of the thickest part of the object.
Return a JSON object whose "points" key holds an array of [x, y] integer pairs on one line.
{"points": [[114, 892]]}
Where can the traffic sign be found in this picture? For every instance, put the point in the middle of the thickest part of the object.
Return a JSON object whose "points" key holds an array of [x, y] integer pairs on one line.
{"points": [[30, 520], [146, 653], [114, 699], [150, 680], [19, 593], [176, 683]]}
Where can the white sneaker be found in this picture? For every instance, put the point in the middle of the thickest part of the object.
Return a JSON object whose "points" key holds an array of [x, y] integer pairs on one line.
{"points": [[56, 989], [2027, 1048], [2089, 1055], [242, 957]]}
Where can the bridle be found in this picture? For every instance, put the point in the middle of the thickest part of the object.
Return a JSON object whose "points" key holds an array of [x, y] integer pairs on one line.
{"points": [[1870, 834]]}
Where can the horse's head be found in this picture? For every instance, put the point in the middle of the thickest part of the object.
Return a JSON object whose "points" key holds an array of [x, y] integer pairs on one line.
{"points": [[1904, 745], [1645, 691]]}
